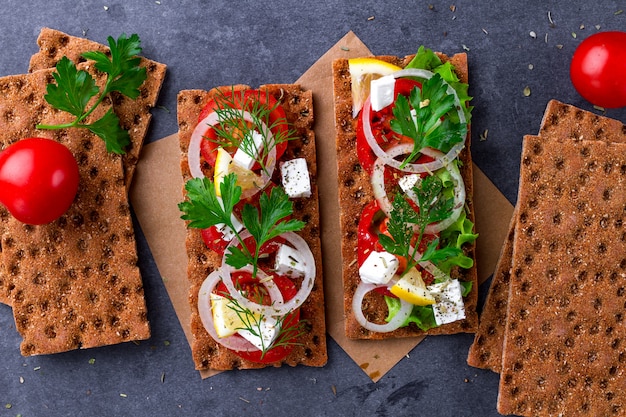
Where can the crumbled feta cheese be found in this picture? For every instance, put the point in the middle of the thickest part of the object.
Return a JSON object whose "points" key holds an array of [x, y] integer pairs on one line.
{"points": [[379, 268], [382, 92], [449, 305], [289, 262], [267, 327], [295, 178], [252, 141], [407, 182]]}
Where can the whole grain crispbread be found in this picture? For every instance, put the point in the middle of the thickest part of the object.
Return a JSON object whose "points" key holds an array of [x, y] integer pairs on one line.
{"points": [[355, 192], [561, 121], [486, 350], [311, 348], [75, 282], [563, 346], [134, 114]]}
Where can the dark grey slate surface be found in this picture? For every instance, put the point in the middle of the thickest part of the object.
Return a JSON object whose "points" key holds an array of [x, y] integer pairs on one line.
{"points": [[208, 43]]}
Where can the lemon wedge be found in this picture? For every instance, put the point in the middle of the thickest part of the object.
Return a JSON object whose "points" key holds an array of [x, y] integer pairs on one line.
{"points": [[362, 72], [225, 319], [411, 288], [225, 165]]}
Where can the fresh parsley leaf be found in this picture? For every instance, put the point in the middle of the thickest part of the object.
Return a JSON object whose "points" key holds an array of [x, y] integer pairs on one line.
{"points": [[108, 128], [420, 118], [74, 89], [204, 209], [122, 68], [269, 221]]}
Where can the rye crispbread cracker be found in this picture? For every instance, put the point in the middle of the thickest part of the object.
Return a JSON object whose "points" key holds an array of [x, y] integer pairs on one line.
{"points": [[563, 349], [76, 283], [355, 192], [486, 351], [311, 351], [134, 114], [563, 121]]}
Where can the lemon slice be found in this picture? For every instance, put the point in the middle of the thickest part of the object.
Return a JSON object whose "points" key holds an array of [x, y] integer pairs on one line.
{"points": [[362, 72], [225, 165], [411, 288], [225, 319]]}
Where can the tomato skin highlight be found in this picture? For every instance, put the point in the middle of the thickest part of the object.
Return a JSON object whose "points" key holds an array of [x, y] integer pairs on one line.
{"points": [[39, 180], [598, 69]]}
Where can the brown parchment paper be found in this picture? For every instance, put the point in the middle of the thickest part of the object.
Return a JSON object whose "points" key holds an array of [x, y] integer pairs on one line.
{"points": [[157, 190]]}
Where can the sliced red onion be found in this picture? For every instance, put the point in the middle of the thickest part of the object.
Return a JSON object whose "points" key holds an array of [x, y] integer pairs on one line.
{"points": [[357, 308], [234, 342], [378, 188], [391, 161], [459, 202], [277, 308], [212, 119]]}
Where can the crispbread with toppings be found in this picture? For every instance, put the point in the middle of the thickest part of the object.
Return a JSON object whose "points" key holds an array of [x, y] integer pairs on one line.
{"points": [[75, 282], [355, 191], [311, 347]]}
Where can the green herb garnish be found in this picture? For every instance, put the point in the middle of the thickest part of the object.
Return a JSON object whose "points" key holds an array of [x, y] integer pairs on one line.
{"points": [[251, 322], [204, 209], [406, 225], [75, 88], [240, 115], [420, 118]]}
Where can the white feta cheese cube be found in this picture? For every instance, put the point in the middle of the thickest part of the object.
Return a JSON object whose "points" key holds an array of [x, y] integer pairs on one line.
{"points": [[295, 178], [289, 262], [382, 92], [252, 143], [407, 182], [379, 268], [265, 331], [449, 306]]}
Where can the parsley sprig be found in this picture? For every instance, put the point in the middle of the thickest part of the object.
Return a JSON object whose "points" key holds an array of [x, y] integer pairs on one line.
{"points": [[420, 118], [74, 89], [404, 239], [204, 209], [232, 131]]}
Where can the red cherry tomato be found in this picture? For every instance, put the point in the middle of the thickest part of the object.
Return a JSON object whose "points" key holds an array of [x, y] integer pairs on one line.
{"points": [[288, 290], [381, 128], [38, 180], [598, 69], [246, 98]]}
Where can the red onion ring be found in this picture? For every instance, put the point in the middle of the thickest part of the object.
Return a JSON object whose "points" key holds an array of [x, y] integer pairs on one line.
{"points": [[277, 308], [357, 308], [378, 188], [234, 342], [413, 168], [212, 119]]}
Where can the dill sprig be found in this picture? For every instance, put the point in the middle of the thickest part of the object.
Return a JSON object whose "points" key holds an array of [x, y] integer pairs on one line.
{"points": [[287, 333], [234, 131]]}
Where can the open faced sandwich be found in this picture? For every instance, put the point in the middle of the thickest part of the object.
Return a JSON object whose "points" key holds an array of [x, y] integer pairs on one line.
{"points": [[250, 202], [405, 191]]}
